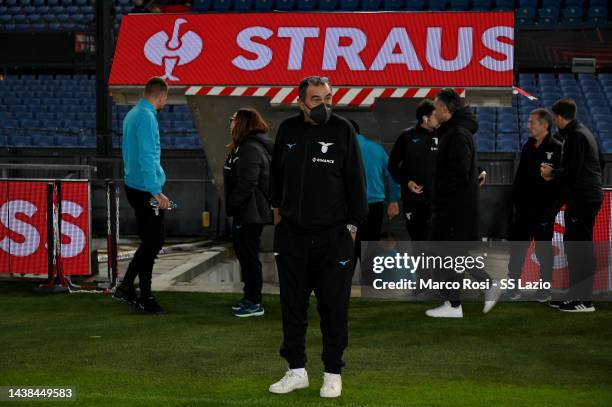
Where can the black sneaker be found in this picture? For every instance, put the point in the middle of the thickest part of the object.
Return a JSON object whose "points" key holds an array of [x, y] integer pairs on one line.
{"points": [[577, 306], [125, 294], [513, 294], [543, 296], [555, 304], [150, 305]]}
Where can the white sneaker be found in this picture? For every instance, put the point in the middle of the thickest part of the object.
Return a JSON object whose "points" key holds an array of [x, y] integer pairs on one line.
{"points": [[445, 310], [291, 381], [491, 296], [332, 385]]}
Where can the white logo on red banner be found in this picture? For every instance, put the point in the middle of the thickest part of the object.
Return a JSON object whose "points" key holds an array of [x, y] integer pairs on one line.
{"points": [[170, 52]]}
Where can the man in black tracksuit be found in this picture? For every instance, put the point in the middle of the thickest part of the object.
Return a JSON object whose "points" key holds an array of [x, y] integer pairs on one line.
{"points": [[412, 165], [456, 193], [536, 202], [580, 178], [318, 192]]}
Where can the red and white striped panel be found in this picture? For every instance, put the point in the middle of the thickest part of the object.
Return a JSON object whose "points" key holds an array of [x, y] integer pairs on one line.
{"points": [[343, 96]]}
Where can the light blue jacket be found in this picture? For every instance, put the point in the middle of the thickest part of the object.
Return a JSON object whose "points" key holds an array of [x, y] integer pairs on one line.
{"points": [[141, 149], [375, 160]]}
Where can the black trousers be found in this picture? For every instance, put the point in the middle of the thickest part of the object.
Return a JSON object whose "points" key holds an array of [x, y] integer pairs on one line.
{"points": [[530, 226], [578, 244], [321, 261], [152, 235], [370, 229], [418, 220], [447, 229], [247, 239]]}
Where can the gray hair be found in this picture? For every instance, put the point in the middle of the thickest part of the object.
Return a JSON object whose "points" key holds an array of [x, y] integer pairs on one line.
{"points": [[311, 81], [545, 116]]}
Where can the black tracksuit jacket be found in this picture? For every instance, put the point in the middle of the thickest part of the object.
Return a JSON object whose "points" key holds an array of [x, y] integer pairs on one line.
{"points": [[530, 192], [317, 174], [456, 188], [413, 158], [582, 165], [246, 174]]}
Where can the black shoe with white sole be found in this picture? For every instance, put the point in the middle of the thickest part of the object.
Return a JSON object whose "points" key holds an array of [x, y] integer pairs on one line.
{"points": [[556, 304], [577, 306], [149, 305], [125, 294]]}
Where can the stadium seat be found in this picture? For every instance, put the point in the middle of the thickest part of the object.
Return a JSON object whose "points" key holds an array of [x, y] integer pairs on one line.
{"points": [[42, 140], [528, 3], [202, 5], [285, 5], [243, 5], [415, 5], [392, 5], [526, 12], [369, 5], [482, 5], [349, 5], [437, 5], [307, 5], [222, 5], [459, 5], [552, 12], [328, 5]]}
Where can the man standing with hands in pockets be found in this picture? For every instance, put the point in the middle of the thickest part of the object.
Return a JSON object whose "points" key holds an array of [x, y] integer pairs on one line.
{"points": [[319, 200]]}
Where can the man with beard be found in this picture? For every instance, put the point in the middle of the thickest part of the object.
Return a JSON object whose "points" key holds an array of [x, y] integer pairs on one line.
{"points": [[456, 193]]}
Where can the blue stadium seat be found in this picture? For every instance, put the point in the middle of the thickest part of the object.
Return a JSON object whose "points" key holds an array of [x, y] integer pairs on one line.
{"points": [[369, 5], [285, 5], [528, 3], [349, 5], [598, 2], [572, 15], [88, 141], [264, 5], [482, 5], [415, 5], [392, 5], [437, 5], [243, 5], [166, 141], [485, 146], [20, 140], [459, 5], [42, 140], [307, 5], [552, 12], [526, 12], [66, 140], [222, 5]]}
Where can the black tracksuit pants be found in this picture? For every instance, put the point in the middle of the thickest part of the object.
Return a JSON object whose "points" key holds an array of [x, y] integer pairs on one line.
{"points": [[247, 239], [578, 244], [321, 261], [152, 235], [530, 226], [418, 220]]}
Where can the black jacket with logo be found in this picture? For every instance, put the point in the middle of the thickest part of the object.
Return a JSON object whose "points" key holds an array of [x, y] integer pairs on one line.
{"points": [[413, 158], [582, 165], [530, 192], [317, 174], [456, 188], [246, 174]]}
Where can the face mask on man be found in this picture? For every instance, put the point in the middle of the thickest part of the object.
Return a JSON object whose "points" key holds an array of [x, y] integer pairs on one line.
{"points": [[321, 113]]}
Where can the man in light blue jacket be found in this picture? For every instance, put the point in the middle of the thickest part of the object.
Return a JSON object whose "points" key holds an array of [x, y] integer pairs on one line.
{"points": [[375, 160], [144, 179]]}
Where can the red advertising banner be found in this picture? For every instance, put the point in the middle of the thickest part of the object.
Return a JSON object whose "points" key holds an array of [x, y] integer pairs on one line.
{"points": [[468, 49], [23, 227]]}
